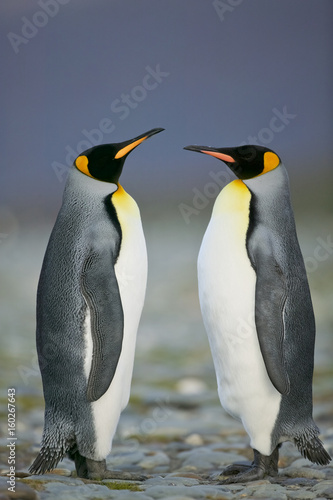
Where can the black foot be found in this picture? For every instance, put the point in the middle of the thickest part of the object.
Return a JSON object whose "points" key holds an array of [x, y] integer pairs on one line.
{"points": [[261, 466], [97, 471]]}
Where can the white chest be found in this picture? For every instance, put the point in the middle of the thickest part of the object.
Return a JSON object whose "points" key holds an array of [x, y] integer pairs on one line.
{"points": [[227, 299], [131, 273]]}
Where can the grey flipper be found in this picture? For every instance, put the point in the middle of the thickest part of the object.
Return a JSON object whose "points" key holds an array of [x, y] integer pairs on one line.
{"points": [[100, 289], [270, 298]]}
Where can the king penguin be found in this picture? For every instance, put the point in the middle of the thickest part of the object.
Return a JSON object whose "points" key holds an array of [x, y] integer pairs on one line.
{"points": [[89, 301], [257, 311]]}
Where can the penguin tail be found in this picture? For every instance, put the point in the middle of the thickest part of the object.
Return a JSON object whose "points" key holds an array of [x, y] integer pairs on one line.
{"points": [[311, 447], [46, 460], [57, 440]]}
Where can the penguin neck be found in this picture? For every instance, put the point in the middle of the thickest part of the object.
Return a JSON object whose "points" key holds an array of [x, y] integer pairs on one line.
{"points": [[270, 200], [82, 186], [270, 185]]}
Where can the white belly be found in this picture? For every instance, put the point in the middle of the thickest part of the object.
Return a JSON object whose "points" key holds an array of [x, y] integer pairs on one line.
{"points": [[227, 299], [131, 273]]}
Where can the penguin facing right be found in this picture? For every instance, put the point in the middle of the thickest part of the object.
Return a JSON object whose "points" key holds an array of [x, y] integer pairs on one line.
{"points": [[89, 301], [257, 311]]}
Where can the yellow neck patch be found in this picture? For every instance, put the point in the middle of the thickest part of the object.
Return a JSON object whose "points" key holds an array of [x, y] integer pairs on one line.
{"points": [[124, 203], [235, 197], [82, 164]]}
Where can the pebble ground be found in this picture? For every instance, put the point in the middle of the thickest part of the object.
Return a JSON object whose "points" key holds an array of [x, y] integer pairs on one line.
{"points": [[174, 430]]}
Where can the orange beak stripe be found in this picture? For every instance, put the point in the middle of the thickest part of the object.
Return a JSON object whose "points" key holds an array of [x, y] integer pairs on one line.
{"points": [[122, 152], [220, 156]]}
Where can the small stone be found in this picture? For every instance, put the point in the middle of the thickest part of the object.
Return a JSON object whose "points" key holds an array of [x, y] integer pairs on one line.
{"points": [[204, 458], [301, 462], [299, 481], [199, 492], [324, 488], [47, 478], [154, 460], [22, 491], [171, 480], [125, 458], [185, 474], [61, 472], [190, 385], [194, 440], [301, 493], [54, 491], [177, 497], [178, 479], [264, 489], [307, 472]]}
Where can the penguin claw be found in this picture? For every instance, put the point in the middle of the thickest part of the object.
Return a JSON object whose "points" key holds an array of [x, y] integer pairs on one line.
{"points": [[261, 466], [252, 474], [235, 469]]}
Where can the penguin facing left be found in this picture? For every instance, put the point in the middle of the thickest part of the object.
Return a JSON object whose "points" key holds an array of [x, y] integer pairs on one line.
{"points": [[89, 301], [257, 310]]}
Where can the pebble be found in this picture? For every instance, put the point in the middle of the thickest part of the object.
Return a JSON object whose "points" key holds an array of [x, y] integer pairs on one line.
{"points": [[172, 480], [55, 491], [194, 440], [22, 491], [264, 489], [307, 472], [205, 458], [201, 492], [190, 385], [154, 460], [301, 493], [324, 489]]}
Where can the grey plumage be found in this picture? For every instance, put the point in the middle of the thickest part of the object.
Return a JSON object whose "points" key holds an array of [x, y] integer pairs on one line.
{"points": [[82, 221], [284, 313]]}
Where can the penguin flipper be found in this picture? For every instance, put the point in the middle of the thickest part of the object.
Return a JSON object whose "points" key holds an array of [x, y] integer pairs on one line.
{"points": [[270, 299], [101, 291]]}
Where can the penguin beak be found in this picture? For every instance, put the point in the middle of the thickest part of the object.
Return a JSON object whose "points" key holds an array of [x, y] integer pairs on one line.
{"points": [[127, 146], [217, 153]]}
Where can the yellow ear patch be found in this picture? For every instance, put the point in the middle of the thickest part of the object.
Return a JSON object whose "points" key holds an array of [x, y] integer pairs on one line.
{"points": [[271, 161], [122, 152], [82, 164]]}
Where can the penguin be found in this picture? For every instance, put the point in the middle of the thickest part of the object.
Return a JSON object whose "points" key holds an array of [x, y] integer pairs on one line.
{"points": [[257, 311], [89, 301]]}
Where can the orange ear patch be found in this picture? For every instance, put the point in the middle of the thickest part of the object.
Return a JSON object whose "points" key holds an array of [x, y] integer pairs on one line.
{"points": [[82, 164], [271, 161]]}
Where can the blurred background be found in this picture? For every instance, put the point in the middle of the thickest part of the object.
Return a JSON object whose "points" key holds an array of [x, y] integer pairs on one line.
{"points": [[76, 73]]}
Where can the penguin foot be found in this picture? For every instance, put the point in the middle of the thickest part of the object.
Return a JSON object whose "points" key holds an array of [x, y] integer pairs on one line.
{"points": [[97, 471], [261, 466]]}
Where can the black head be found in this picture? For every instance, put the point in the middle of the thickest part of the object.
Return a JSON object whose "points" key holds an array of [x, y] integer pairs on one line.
{"points": [[105, 162], [245, 161]]}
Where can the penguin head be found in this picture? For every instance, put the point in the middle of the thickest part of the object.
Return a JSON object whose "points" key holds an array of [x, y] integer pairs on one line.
{"points": [[246, 162], [105, 162]]}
